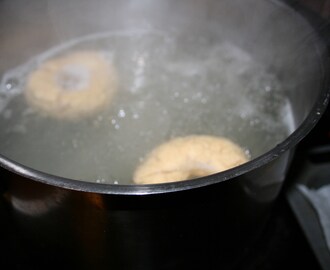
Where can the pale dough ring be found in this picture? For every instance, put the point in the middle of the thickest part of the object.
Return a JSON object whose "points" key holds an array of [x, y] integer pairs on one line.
{"points": [[189, 157], [72, 86]]}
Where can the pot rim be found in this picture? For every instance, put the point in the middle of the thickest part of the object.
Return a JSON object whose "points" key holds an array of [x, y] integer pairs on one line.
{"points": [[291, 141]]}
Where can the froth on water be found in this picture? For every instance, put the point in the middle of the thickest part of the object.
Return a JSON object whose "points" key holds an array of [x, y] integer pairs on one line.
{"points": [[169, 86]]}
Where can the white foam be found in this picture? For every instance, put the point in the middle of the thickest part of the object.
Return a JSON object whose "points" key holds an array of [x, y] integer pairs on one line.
{"points": [[288, 117]]}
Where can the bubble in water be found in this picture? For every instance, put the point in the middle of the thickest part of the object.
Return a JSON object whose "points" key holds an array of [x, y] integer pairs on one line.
{"points": [[100, 181], [121, 113], [204, 100], [197, 96], [139, 71], [254, 122], [268, 88], [11, 84], [243, 115], [247, 153], [74, 143]]}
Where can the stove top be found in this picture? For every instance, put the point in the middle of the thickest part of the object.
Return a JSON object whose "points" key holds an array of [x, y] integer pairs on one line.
{"points": [[283, 243]]}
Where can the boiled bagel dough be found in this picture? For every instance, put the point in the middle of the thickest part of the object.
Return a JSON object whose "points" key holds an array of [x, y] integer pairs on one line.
{"points": [[187, 158], [72, 86]]}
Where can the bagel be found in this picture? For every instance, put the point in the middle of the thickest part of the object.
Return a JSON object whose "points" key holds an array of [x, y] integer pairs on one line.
{"points": [[72, 86], [189, 157]]}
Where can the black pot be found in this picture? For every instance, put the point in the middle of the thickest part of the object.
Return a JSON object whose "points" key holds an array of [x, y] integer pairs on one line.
{"points": [[205, 223]]}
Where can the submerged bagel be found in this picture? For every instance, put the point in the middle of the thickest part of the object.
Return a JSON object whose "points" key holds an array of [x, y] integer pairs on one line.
{"points": [[189, 157], [72, 86]]}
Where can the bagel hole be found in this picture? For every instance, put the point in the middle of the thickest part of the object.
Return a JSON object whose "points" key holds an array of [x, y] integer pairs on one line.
{"points": [[73, 78]]}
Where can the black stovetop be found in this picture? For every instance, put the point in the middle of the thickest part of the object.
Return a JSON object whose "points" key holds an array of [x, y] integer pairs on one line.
{"points": [[283, 244]]}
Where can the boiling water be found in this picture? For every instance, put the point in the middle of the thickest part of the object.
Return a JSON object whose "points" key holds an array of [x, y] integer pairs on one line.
{"points": [[169, 86]]}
